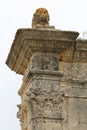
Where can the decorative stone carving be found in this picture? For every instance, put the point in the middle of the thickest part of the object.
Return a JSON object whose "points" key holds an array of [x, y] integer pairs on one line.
{"points": [[22, 114], [19, 113], [49, 102], [30, 41], [41, 19], [45, 100], [44, 61]]}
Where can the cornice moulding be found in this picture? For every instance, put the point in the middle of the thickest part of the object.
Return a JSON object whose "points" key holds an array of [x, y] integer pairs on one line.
{"points": [[29, 41]]}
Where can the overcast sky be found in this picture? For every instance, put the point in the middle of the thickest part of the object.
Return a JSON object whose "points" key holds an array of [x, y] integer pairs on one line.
{"points": [[64, 14]]}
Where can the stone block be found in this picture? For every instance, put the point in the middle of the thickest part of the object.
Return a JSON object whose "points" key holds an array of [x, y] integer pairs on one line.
{"points": [[74, 126], [76, 93], [73, 70], [77, 110]]}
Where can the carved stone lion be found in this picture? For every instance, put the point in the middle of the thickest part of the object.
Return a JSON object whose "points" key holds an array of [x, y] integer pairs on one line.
{"points": [[40, 18]]}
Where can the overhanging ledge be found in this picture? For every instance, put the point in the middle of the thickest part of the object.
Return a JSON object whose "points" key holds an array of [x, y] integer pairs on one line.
{"points": [[28, 41]]}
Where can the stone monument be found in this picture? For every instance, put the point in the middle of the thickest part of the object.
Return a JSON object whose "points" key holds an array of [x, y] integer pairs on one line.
{"points": [[54, 68]]}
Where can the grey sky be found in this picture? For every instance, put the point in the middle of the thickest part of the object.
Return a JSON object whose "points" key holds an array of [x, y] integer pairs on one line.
{"points": [[14, 14]]}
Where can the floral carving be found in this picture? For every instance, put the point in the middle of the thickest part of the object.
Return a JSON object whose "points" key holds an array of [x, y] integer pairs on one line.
{"points": [[45, 103]]}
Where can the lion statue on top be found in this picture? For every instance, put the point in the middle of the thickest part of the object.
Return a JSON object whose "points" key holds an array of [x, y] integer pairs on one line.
{"points": [[41, 19]]}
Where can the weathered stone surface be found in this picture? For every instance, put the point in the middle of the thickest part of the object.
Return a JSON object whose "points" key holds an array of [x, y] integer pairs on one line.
{"points": [[45, 95], [29, 41], [81, 45], [44, 61], [74, 71], [75, 54], [54, 66], [77, 110], [42, 99], [41, 19], [77, 92], [51, 125], [74, 126]]}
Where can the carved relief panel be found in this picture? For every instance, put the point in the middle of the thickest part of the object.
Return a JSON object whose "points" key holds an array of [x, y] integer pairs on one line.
{"points": [[44, 61], [45, 99]]}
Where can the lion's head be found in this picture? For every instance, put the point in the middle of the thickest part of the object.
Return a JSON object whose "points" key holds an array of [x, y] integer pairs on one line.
{"points": [[40, 18]]}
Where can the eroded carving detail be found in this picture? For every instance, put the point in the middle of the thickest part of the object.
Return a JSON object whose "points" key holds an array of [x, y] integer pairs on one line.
{"points": [[46, 103], [52, 45], [19, 113], [22, 115], [41, 19], [44, 61]]}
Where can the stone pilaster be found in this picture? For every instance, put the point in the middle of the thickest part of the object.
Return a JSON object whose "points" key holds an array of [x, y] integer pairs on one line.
{"points": [[43, 99], [35, 54]]}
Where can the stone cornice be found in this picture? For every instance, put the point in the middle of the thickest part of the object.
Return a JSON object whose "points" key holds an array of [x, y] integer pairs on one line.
{"points": [[81, 45], [77, 53], [28, 41], [80, 53], [46, 34]]}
